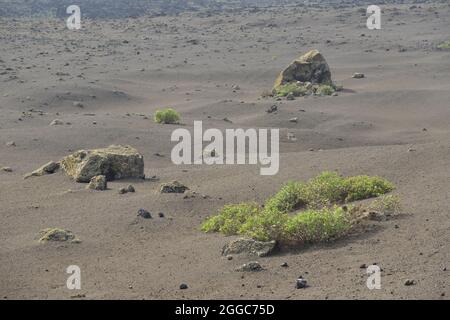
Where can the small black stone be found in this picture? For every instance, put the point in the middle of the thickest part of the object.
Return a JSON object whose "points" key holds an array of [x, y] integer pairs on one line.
{"points": [[144, 214], [161, 215], [301, 283], [183, 286], [284, 265]]}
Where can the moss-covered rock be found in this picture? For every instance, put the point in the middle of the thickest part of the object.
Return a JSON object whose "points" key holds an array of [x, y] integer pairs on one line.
{"points": [[57, 235], [310, 67], [114, 162]]}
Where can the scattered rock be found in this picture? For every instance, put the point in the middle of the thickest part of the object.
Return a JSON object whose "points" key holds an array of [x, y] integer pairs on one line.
{"points": [[183, 286], [57, 122], [123, 190], [56, 234], [161, 215], [173, 187], [48, 168], [293, 120], [131, 189], [10, 144], [114, 162], [310, 67], [358, 75], [272, 109], [249, 246], [144, 214], [78, 104], [284, 265], [253, 266], [301, 283], [410, 282], [98, 183], [7, 169]]}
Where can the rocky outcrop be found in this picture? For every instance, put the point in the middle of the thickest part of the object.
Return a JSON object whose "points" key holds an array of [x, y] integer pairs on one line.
{"points": [[310, 67], [115, 162]]}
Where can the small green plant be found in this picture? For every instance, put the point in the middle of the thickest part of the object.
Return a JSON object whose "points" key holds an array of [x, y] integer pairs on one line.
{"points": [[317, 225], [325, 90], [444, 45], [266, 226], [167, 116], [389, 204], [365, 187], [231, 218], [295, 89], [287, 199], [323, 190]]}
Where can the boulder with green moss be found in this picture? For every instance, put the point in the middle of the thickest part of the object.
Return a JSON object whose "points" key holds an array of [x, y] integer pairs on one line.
{"points": [[114, 162], [56, 235]]}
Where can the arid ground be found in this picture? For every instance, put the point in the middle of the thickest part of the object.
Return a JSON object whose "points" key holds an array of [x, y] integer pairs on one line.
{"points": [[394, 123]]}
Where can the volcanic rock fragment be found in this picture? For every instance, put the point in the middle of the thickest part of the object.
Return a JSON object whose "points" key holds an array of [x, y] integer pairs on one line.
{"points": [[114, 162]]}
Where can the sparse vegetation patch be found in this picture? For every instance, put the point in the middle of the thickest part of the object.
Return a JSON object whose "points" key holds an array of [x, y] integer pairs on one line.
{"points": [[321, 218]]}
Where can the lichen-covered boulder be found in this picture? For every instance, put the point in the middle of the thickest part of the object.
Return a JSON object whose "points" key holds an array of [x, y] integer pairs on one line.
{"points": [[114, 162], [249, 247], [56, 234], [310, 67]]}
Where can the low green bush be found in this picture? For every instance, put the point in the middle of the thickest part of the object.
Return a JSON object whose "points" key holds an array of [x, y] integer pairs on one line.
{"points": [[167, 116]]}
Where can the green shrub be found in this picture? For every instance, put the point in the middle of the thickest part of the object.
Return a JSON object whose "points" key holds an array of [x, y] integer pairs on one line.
{"points": [[317, 225], [386, 204], [287, 199], [231, 218], [296, 89], [265, 226], [323, 190], [167, 116], [365, 187], [445, 45], [325, 90]]}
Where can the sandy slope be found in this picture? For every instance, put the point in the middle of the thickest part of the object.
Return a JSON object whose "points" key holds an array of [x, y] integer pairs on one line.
{"points": [[368, 129]]}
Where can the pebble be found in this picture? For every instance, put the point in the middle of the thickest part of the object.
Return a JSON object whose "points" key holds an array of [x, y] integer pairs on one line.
{"points": [[301, 283], [410, 282], [144, 214], [183, 286]]}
